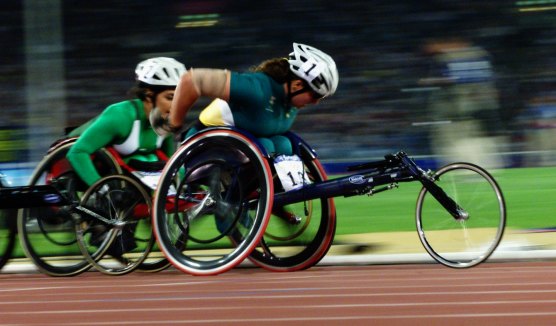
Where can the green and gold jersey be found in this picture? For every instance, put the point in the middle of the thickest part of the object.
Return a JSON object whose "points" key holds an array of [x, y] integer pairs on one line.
{"points": [[257, 104]]}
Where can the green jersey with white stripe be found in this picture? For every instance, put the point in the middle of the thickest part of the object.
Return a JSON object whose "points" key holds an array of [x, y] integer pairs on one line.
{"points": [[123, 125]]}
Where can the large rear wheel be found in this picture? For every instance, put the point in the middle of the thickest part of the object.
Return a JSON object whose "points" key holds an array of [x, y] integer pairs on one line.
{"points": [[213, 202], [298, 235], [47, 234]]}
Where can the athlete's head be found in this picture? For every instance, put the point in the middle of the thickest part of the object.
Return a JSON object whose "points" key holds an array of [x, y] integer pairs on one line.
{"points": [[315, 67], [156, 75], [161, 71], [308, 74], [157, 79]]}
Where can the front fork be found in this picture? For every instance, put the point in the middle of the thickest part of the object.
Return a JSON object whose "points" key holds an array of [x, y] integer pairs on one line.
{"points": [[428, 180]]}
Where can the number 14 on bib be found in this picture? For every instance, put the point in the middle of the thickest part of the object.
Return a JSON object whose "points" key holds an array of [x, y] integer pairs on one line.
{"points": [[290, 172]]}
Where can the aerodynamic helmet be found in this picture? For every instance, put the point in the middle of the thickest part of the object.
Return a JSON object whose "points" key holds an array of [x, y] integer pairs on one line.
{"points": [[159, 71], [317, 68]]}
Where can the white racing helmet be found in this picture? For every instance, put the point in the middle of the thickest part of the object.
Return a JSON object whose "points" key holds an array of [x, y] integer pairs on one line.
{"points": [[317, 68], [159, 71]]}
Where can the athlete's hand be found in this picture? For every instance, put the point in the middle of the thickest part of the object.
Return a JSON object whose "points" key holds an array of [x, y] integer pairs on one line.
{"points": [[161, 125]]}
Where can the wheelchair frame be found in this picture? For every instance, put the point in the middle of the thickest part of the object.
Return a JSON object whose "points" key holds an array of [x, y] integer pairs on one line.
{"points": [[77, 211], [385, 174]]}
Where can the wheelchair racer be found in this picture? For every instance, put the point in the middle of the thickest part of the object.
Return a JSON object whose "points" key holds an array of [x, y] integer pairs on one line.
{"points": [[264, 101], [125, 126]]}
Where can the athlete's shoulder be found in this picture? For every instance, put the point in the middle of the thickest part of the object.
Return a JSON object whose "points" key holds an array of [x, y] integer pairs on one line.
{"points": [[123, 109], [118, 115], [250, 83], [127, 104], [249, 78]]}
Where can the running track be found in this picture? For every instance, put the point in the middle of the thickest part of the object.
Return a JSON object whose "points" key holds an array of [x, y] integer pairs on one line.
{"points": [[521, 293]]}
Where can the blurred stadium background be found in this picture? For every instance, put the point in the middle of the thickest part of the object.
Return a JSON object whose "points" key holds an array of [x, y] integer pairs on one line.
{"points": [[62, 62]]}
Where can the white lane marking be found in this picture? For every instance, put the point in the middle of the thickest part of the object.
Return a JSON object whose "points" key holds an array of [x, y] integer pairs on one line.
{"points": [[280, 307], [249, 295], [306, 319]]}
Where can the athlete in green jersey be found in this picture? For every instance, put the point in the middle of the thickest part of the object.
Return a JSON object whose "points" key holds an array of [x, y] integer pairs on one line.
{"points": [[125, 125], [263, 102]]}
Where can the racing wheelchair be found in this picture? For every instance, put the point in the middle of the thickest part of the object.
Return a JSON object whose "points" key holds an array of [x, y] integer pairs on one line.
{"points": [[235, 206], [105, 226]]}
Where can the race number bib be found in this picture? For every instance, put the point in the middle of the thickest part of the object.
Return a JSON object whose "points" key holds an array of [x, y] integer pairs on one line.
{"points": [[290, 172], [150, 179]]}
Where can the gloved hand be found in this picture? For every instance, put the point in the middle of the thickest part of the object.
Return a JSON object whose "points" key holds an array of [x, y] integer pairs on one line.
{"points": [[161, 125]]}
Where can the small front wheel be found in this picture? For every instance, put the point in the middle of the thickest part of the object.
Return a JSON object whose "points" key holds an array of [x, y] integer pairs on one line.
{"points": [[471, 238], [114, 233]]}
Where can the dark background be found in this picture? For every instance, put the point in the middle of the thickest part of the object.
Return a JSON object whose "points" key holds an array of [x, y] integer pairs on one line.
{"points": [[376, 44]]}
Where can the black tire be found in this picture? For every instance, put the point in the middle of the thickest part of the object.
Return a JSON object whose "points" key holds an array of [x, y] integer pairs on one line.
{"points": [[296, 245], [220, 206], [119, 240], [468, 241], [47, 234]]}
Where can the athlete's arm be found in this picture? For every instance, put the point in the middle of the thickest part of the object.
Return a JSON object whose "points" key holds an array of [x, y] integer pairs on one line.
{"points": [[214, 83], [104, 131]]}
